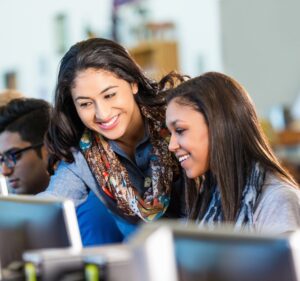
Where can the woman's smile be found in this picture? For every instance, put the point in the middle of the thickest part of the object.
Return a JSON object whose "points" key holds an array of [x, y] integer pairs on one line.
{"points": [[109, 124]]}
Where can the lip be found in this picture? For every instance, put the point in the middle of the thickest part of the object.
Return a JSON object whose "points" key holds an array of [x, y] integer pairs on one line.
{"points": [[110, 123], [178, 156], [184, 163], [14, 183]]}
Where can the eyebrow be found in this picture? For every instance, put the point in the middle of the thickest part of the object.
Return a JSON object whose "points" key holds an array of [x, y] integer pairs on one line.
{"points": [[10, 150], [173, 123], [102, 92]]}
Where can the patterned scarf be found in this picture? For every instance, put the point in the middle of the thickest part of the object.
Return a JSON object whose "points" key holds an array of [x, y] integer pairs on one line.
{"points": [[113, 178], [250, 194]]}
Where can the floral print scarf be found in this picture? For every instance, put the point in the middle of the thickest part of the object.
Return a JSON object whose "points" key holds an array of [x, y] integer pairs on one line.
{"points": [[112, 176]]}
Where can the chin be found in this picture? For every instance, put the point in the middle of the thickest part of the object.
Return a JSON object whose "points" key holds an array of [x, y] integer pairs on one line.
{"points": [[190, 174], [113, 134], [193, 174], [19, 192]]}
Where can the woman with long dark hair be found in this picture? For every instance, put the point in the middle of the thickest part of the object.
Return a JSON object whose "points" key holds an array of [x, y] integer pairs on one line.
{"points": [[233, 174], [108, 133]]}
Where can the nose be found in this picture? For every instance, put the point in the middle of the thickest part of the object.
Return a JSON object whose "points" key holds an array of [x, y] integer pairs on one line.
{"points": [[5, 171], [173, 144], [102, 111]]}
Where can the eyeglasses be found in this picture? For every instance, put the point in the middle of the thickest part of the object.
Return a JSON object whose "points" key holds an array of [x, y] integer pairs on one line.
{"points": [[10, 158]]}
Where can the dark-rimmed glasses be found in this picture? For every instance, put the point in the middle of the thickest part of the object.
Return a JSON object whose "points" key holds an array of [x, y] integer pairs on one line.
{"points": [[11, 157]]}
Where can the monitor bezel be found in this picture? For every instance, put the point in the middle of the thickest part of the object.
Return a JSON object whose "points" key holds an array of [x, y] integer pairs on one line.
{"points": [[144, 249], [68, 209]]}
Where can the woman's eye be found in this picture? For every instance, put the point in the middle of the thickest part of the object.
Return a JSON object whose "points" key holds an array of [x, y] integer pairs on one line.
{"points": [[108, 96], [85, 104], [179, 131]]}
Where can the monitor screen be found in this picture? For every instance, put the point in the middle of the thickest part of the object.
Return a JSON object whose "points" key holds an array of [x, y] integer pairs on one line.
{"points": [[212, 258], [187, 253], [30, 222]]}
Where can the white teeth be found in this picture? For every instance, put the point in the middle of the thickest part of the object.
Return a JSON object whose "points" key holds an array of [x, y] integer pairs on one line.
{"points": [[110, 122], [184, 157]]}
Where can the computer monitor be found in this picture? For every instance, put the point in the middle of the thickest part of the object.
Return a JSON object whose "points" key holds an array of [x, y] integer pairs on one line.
{"points": [[31, 222], [3, 186], [188, 253]]}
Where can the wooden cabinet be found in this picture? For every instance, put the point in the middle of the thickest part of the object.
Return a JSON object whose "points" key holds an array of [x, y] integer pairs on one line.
{"points": [[156, 58], [288, 137], [287, 148]]}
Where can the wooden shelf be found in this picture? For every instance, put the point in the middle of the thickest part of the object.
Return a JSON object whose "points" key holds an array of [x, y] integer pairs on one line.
{"points": [[287, 148], [288, 137], [156, 58]]}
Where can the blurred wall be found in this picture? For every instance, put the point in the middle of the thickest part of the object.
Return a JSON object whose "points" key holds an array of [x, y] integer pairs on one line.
{"points": [[198, 32], [255, 41], [30, 34], [261, 48], [30, 37]]}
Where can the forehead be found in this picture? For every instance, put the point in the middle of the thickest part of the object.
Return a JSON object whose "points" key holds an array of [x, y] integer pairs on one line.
{"points": [[181, 112], [92, 74], [92, 81], [10, 140]]}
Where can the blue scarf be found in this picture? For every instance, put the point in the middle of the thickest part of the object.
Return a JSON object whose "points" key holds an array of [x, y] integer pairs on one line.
{"points": [[252, 190]]}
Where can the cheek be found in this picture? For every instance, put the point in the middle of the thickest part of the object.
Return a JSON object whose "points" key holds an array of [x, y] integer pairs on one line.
{"points": [[32, 173], [24, 170], [85, 115], [202, 159], [81, 113], [127, 101], [29, 162], [205, 158]]}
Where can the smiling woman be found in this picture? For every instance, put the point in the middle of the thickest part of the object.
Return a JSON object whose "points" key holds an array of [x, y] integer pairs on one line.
{"points": [[189, 138], [108, 128], [216, 136], [106, 105]]}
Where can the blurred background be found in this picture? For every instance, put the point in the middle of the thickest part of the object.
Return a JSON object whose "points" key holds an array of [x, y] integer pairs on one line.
{"points": [[255, 41]]}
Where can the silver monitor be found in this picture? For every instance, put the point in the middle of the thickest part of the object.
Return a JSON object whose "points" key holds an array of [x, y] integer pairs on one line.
{"points": [[173, 251], [30, 222], [112, 262], [3, 186]]}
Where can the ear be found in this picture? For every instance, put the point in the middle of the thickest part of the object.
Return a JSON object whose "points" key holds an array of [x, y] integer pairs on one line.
{"points": [[44, 154], [134, 88]]}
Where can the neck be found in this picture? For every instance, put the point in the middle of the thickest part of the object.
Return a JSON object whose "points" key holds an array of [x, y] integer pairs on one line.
{"points": [[133, 135]]}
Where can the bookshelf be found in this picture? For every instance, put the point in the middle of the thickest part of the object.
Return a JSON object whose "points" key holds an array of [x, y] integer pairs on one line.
{"points": [[156, 58]]}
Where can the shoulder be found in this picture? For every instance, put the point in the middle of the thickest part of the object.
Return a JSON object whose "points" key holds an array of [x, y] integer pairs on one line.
{"points": [[79, 166], [276, 190], [79, 169], [278, 207], [72, 180]]}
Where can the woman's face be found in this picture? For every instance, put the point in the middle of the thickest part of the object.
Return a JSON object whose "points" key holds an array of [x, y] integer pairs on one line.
{"points": [[105, 103], [189, 138]]}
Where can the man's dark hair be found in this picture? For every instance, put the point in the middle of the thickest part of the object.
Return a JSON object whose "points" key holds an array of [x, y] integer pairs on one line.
{"points": [[27, 116]]}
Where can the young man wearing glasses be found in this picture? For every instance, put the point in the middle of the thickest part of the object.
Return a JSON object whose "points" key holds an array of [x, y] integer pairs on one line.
{"points": [[23, 157], [24, 163]]}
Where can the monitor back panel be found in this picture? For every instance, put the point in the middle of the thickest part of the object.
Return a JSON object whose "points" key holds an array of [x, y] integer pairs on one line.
{"points": [[28, 222]]}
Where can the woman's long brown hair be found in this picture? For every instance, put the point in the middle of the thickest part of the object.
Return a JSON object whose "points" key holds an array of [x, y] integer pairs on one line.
{"points": [[236, 139]]}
